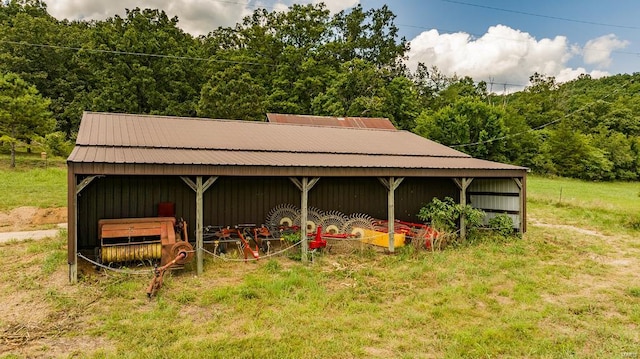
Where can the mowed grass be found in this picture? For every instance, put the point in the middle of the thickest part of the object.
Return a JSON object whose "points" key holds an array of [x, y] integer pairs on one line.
{"points": [[43, 188], [555, 293], [32, 183], [609, 207]]}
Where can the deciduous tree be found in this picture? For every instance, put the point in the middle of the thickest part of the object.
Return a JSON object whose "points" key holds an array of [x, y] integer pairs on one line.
{"points": [[23, 112]]}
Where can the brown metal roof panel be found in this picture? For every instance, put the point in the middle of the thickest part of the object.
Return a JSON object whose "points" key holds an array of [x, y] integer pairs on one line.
{"points": [[174, 132], [356, 122], [277, 159]]}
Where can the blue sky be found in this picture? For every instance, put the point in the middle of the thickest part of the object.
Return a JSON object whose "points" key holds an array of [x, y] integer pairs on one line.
{"points": [[577, 20], [498, 41]]}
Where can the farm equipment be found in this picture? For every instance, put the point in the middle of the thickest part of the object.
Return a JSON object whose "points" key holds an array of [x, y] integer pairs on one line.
{"points": [[412, 231], [318, 242], [142, 239], [158, 273], [242, 235]]}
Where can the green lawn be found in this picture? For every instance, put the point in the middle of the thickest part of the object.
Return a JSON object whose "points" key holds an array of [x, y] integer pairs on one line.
{"points": [[33, 182], [568, 289], [616, 196], [44, 188], [609, 207]]}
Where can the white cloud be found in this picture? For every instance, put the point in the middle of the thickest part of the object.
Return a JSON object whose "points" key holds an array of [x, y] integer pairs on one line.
{"points": [[569, 74], [598, 51], [336, 6], [197, 17], [502, 55]]}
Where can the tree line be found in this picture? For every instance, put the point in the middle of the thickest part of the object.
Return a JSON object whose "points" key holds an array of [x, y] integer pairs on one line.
{"points": [[302, 61]]}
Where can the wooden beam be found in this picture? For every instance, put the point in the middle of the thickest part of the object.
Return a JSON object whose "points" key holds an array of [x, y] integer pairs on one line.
{"points": [[199, 187], [189, 183], [72, 238], [391, 184], [463, 184], [305, 186], [199, 225], [85, 182]]}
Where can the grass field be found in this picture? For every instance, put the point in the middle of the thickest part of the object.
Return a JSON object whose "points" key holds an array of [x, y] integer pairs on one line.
{"points": [[34, 182], [569, 288]]}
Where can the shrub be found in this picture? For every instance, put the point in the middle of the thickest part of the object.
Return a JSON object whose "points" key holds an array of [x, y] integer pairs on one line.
{"points": [[444, 216], [502, 224], [57, 144]]}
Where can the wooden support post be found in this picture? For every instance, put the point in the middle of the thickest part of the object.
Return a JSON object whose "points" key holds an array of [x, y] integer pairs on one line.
{"points": [[199, 225], [72, 243], [199, 188], [305, 186], [463, 183], [74, 189], [303, 218], [391, 184]]}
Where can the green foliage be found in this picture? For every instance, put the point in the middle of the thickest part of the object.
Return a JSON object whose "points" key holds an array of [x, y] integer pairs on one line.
{"points": [[308, 61], [467, 120], [24, 112], [443, 215], [233, 94], [57, 144], [501, 224], [291, 238]]}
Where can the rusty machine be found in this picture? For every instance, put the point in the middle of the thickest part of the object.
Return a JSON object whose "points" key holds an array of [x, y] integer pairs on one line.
{"points": [[125, 240]]}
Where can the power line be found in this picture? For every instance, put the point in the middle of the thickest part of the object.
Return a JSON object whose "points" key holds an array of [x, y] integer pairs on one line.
{"points": [[143, 54], [542, 16], [541, 126]]}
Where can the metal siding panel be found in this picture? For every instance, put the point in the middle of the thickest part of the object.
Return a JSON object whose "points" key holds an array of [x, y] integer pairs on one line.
{"points": [[497, 203], [514, 217], [497, 185]]}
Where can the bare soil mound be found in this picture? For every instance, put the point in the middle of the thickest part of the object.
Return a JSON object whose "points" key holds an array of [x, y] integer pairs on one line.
{"points": [[30, 218]]}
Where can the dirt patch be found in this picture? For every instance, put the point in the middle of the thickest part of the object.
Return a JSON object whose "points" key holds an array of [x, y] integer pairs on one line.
{"points": [[30, 218], [567, 227], [41, 315]]}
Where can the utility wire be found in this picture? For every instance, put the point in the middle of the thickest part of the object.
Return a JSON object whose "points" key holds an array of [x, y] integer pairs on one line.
{"points": [[142, 54], [541, 126], [540, 15]]}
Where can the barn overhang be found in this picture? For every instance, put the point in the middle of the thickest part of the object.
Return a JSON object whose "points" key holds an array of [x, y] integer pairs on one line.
{"points": [[141, 154], [286, 171]]}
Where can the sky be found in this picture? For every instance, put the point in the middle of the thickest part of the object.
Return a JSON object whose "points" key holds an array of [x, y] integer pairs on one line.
{"points": [[501, 42]]}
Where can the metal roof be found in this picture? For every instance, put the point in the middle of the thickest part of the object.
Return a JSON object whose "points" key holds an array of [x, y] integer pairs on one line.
{"points": [[355, 122], [107, 138]]}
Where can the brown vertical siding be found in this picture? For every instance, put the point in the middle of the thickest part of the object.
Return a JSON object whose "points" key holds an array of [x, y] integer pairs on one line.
{"points": [[237, 200], [414, 193], [349, 195], [129, 197]]}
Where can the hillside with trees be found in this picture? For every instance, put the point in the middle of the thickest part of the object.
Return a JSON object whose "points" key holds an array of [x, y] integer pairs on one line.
{"points": [[303, 61]]}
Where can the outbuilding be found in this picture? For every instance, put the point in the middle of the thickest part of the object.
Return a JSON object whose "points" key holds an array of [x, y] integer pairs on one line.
{"points": [[224, 172]]}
